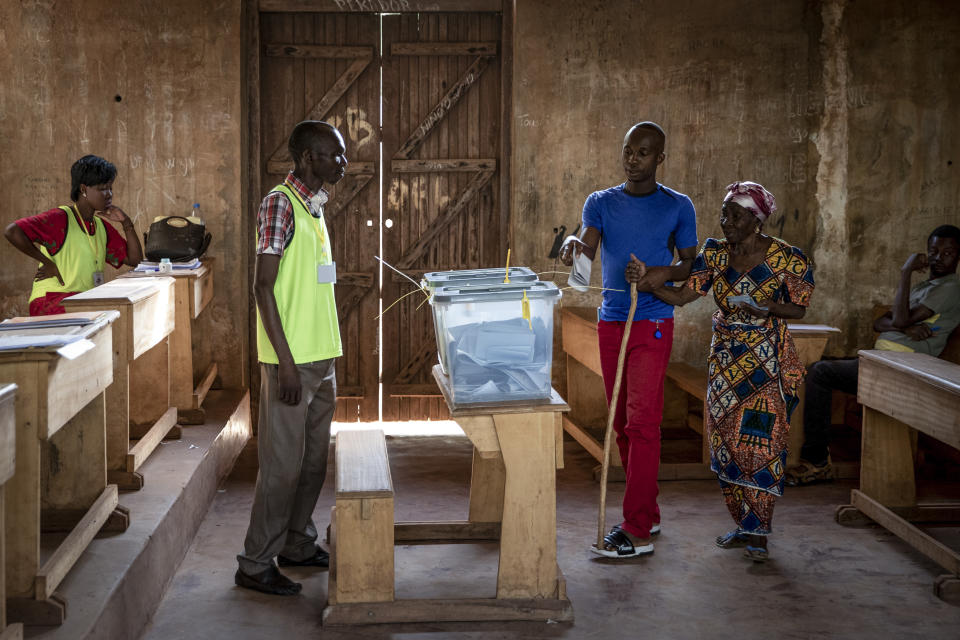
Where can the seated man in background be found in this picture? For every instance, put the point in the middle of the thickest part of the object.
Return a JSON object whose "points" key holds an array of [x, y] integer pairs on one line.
{"points": [[920, 320]]}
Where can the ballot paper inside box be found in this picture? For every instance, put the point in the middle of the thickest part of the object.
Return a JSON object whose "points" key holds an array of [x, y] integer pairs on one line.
{"points": [[471, 277], [498, 346]]}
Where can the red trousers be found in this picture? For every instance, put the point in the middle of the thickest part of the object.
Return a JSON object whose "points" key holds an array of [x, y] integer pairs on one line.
{"points": [[639, 412]]}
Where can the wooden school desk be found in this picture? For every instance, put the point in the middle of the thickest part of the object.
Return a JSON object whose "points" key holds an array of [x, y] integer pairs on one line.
{"points": [[193, 290], [512, 499], [137, 398], [8, 431], [901, 392], [60, 465]]}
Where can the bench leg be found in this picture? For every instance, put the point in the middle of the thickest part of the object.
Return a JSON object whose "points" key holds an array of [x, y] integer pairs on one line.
{"points": [[362, 545]]}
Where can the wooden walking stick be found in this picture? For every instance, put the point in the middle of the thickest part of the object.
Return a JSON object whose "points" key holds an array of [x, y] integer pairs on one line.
{"points": [[605, 464]]}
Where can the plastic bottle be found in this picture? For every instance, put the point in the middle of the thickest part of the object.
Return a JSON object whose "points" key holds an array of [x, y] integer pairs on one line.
{"points": [[196, 212], [166, 266]]}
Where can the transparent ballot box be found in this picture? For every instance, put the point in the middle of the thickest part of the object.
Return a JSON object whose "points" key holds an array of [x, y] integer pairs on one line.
{"points": [[470, 277], [496, 341]]}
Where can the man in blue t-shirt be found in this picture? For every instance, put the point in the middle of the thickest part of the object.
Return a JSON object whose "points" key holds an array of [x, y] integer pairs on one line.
{"points": [[637, 225]]}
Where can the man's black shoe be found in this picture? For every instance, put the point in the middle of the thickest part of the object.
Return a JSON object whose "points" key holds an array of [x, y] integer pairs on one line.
{"points": [[270, 581], [320, 558]]}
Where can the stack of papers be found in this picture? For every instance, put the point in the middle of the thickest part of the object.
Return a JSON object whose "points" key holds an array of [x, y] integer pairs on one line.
{"points": [[151, 267], [77, 319], [19, 341], [65, 333]]}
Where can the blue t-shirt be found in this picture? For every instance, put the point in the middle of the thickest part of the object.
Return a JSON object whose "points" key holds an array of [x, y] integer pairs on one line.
{"points": [[641, 225]]}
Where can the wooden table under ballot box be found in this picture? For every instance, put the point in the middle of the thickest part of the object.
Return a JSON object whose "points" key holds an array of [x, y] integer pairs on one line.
{"points": [[512, 500]]}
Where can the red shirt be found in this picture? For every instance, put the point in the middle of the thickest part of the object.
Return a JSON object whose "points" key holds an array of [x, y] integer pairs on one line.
{"points": [[49, 229]]}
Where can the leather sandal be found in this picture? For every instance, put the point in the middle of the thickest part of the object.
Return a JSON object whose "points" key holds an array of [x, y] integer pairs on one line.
{"points": [[270, 581], [618, 544]]}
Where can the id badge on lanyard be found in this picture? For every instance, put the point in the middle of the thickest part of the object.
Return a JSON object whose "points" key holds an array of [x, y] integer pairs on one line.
{"points": [[327, 273]]}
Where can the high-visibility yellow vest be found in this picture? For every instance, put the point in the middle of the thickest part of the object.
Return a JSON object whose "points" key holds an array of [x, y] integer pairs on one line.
{"points": [[80, 256], [308, 310]]}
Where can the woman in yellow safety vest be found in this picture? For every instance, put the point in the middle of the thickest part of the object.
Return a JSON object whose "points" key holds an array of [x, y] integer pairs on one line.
{"points": [[72, 243]]}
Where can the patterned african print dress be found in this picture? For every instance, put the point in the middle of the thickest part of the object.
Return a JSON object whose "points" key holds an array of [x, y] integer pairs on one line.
{"points": [[753, 371]]}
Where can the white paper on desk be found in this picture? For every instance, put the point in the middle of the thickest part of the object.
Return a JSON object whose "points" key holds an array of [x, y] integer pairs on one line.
{"points": [[35, 339], [580, 274], [75, 349]]}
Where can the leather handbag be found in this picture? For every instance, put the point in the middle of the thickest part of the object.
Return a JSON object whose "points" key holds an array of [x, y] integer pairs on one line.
{"points": [[175, 238]]}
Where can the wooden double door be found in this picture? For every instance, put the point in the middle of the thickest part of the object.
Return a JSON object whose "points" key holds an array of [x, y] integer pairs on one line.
{"points": [[417, 98]]}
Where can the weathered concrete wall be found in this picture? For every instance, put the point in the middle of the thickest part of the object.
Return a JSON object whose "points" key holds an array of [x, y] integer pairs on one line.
{"points": [[155, 87], [843, 109], [729, 86], [844, 112], [903, 97]]}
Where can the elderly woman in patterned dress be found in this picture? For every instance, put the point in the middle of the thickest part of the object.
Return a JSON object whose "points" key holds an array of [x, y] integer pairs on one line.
{"points": [[758, 282]]}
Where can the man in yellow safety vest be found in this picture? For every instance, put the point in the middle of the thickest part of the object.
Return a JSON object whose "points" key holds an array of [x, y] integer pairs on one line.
{"points": [[298, 340]]}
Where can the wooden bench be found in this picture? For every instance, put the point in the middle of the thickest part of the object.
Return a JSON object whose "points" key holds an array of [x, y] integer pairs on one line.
{"points": [[8, 429], [901, 392], [361, 522], [693, 381]]}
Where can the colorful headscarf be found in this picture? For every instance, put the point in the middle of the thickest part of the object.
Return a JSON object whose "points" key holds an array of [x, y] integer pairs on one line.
{"points": [[753, 197]]}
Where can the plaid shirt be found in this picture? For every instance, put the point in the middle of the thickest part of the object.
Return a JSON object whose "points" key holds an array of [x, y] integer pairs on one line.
{"points": [[275, 224]]}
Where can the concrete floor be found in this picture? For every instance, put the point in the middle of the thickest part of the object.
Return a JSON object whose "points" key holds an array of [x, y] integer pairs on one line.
{"points": [[823, 580]]}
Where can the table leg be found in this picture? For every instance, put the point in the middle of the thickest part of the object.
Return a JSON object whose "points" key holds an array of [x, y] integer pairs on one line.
{"points": [[22, 521], [118, 427], [181, 353], [3, 577], [886, 460], [149, 396], [528, 539], [13, 632], [74, 460], [118, 415], [486, 488]]}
